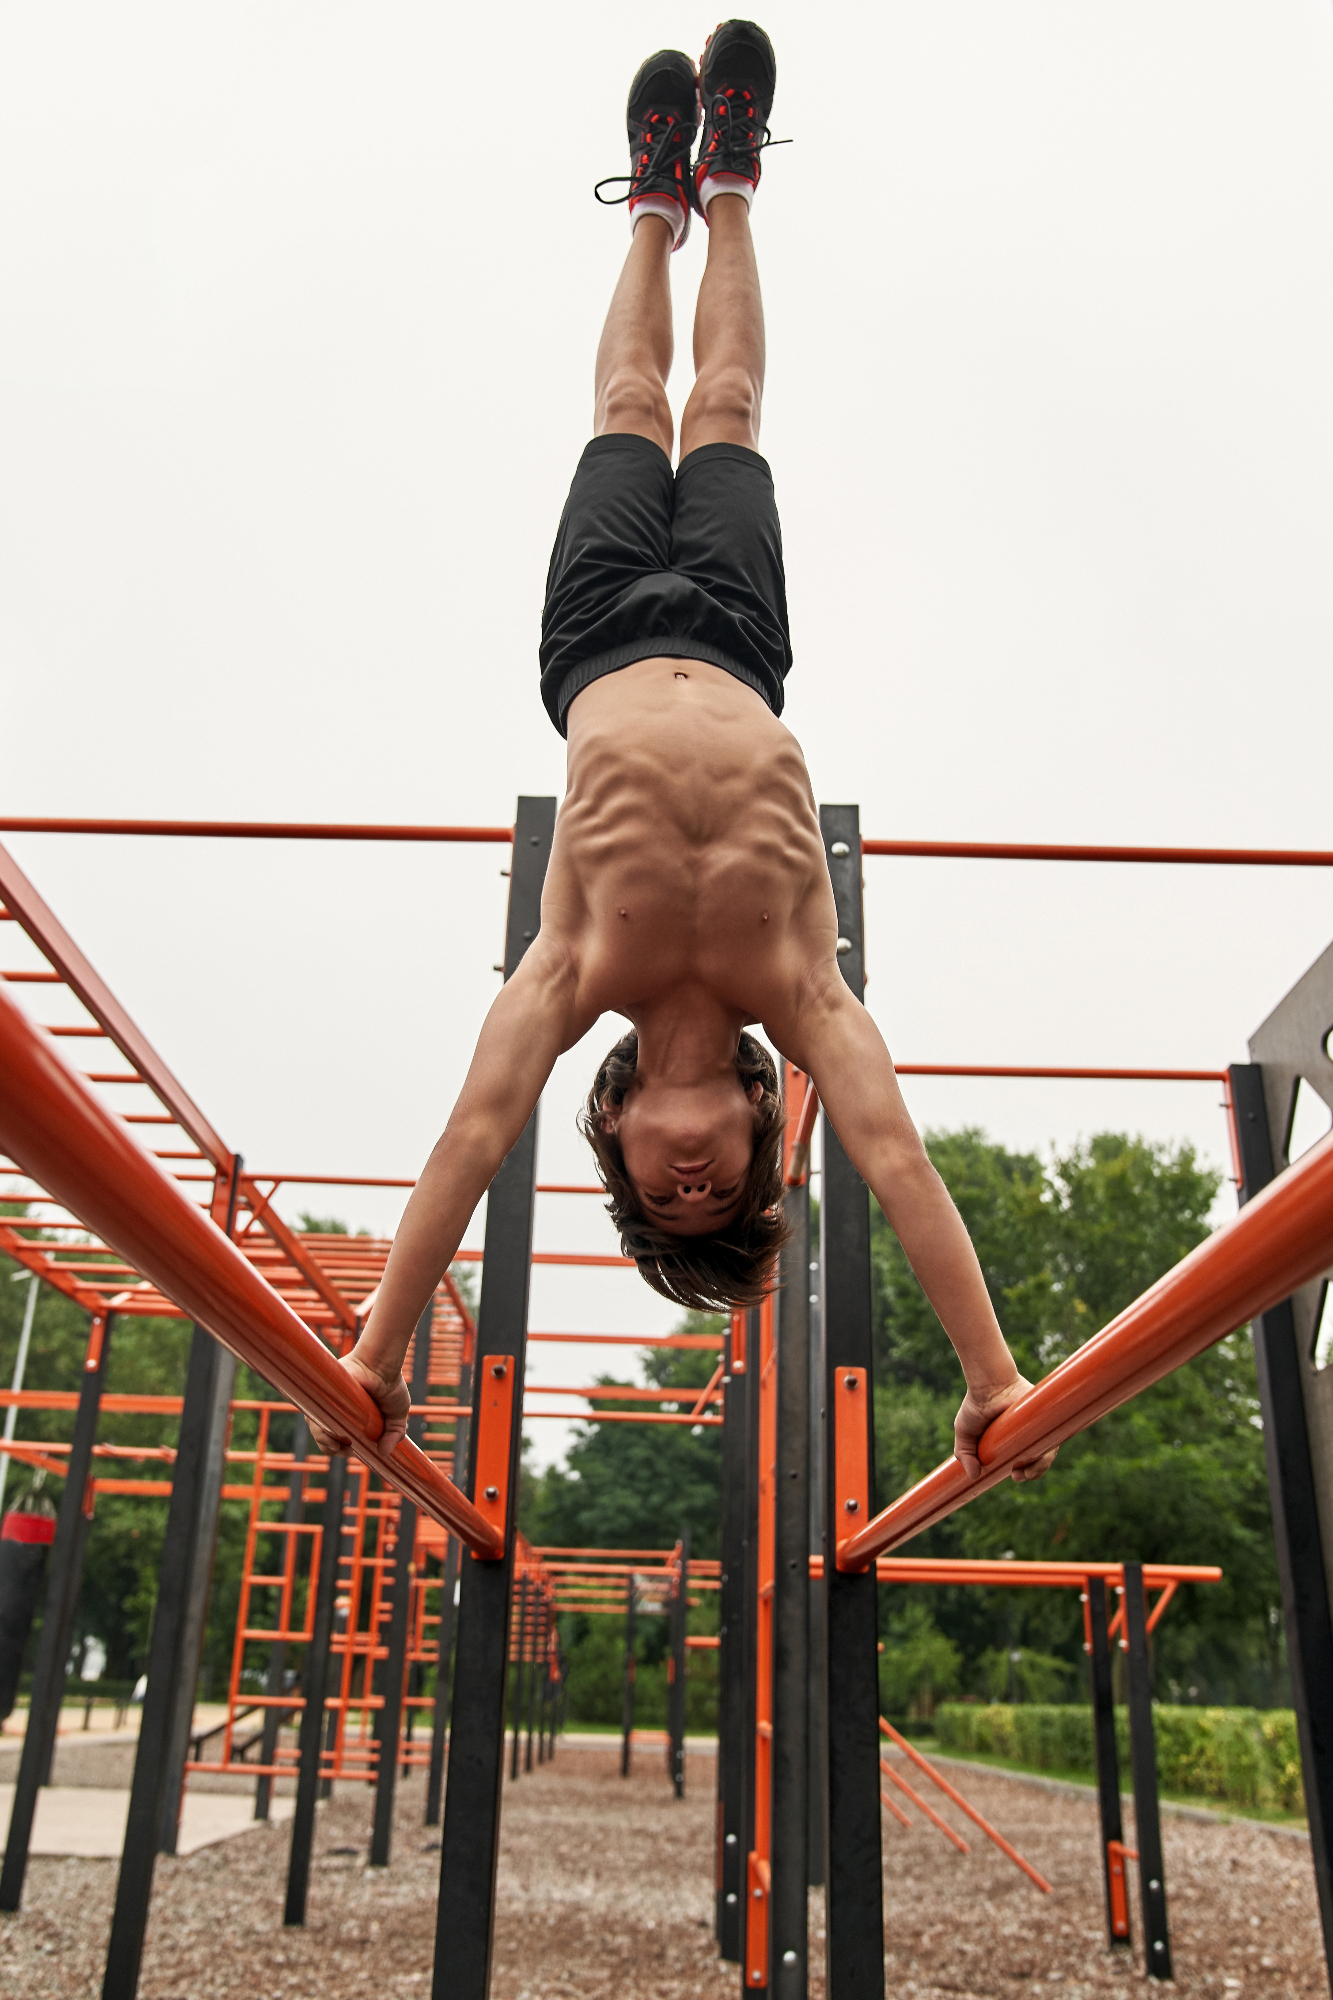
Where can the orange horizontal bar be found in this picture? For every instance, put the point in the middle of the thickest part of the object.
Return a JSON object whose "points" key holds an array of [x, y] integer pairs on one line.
{"points": [[64, 1137], [989, 850], [553, 1257], [1096, 1075], [616, 1392], [242, 829], [710, 1341], [1278, 1242], [620, 1417]]}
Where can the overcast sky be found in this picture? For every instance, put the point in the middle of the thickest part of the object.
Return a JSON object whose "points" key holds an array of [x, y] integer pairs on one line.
{"points": [[299, 308]]}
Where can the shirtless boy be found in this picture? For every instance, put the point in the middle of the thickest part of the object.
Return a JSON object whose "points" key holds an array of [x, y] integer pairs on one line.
{"points": [[687, 889]]}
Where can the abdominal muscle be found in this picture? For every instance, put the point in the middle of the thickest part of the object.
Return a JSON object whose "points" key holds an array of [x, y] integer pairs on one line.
{"points": [[687, 850]]}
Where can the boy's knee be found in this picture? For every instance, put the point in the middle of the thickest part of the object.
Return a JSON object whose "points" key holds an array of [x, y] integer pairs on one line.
{"points": [[631, 401], [729, 397]]}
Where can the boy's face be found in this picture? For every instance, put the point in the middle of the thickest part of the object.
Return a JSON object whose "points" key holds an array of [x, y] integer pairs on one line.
{"points": [[687, 1150]]}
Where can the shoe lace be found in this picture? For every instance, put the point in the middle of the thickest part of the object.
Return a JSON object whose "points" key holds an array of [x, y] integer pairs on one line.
{"points": [[730, 142], [659, 136]]}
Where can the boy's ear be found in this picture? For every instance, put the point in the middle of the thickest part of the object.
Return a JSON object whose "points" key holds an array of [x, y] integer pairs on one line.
{"points": [[607, 1122], [756, 1092]]}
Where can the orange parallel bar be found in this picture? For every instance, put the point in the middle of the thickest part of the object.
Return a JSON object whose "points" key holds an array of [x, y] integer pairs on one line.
{"points": [[258, 829], [990, 850], [65, 1138], [1279, 1241]]}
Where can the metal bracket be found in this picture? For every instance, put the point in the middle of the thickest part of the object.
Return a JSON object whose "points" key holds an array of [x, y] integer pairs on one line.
{"points": [[756, 1921], [491, 1438], [851, 1445], [1117, 1854]]}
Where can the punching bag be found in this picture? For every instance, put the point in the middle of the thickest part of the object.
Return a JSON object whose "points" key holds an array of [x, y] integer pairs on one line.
{"points": [[24, 1541]]}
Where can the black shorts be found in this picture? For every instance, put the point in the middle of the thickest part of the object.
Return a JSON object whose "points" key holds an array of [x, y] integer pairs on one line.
{"points": [[648, 562]]}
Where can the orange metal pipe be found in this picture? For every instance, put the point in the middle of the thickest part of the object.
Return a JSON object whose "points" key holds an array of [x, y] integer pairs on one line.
{"points": [[1278, 1241], [920, 1803], [257, 829], [1103, 1075], [930, 1772], [63, 1136], [990, 850]]}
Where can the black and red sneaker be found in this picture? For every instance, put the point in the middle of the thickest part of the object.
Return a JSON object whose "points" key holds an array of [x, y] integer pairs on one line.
{"points": [[662, 118], [738, 74]]}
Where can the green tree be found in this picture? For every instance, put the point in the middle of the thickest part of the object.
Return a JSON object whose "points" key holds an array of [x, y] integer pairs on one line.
{"points": [[1177, 1475]]}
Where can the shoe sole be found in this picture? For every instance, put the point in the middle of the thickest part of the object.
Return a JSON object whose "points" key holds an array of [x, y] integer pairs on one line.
{"points": [[751, 32], [671, 60]]}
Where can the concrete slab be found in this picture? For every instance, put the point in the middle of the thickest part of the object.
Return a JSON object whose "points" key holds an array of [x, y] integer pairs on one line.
{"points": [[89, 1822]]}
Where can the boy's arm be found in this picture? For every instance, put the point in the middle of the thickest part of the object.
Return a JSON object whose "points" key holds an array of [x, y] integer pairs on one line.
{"points": [[853, 1073], [523, 1034]]}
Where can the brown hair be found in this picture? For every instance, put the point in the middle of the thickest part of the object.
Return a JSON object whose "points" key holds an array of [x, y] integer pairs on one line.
{"points": [[707, 1273]]}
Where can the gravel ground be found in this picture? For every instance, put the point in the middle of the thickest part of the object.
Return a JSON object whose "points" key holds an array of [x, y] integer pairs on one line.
{"points": [[605, 1889]]}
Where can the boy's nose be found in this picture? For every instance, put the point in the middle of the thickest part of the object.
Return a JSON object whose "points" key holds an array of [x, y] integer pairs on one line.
{"points": [[693, 1190]]}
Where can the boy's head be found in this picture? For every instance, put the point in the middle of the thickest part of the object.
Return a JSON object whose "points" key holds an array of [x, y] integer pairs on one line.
{"points": [[694, 1172]]}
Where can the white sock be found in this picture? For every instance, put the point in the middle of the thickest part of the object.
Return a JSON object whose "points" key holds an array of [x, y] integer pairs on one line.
{"points": [[724, 184], [663, 205]]}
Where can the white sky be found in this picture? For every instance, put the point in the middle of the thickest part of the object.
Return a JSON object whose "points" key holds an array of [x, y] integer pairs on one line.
{"points": [[299, 306]]}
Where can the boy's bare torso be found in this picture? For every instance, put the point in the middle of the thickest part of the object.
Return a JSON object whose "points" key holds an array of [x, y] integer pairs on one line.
{"points": [[687, 853]]}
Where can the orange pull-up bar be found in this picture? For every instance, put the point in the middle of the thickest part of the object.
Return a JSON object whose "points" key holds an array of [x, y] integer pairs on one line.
{"points": [[1278, 1242], [61, 1135]]}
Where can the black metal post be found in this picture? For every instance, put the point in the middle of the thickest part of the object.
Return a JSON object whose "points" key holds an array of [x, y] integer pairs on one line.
{"points": [[400, 1606], [207, 1468], [1108, 1767], [817, 1703], [787, 1944], [731, 1665], [445, 1646], [62, 1595], [275, 1684], [855, 1920], [470, 1843], [676, 1691], [1301, 1558], [534, 1647], [187, 1534], [314, 1688], [520, 1628], [1143, 1762], [750, 1618], [627, 1697]]}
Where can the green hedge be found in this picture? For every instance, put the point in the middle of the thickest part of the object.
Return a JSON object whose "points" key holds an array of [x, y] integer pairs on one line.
{"points": [[1243, 1756]]}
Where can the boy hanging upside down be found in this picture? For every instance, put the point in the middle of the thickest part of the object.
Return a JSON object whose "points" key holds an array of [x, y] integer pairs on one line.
{"points": [[687, 889]]}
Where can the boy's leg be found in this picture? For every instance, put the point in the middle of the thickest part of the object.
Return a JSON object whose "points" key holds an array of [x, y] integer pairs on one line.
{"points": [[724, 405], [634, 353]]}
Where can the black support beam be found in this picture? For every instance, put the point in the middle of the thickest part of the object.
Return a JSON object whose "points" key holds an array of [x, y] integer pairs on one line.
{"points": [[787, 1950], [854, 1882], [1301, 1558], [1143, 1762], [62, 1596], [469, 1845], [187, 1533], [731, 1747]]}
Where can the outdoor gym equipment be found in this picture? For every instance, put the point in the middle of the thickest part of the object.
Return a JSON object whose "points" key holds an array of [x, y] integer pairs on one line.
{"points": [[808, 1650]]}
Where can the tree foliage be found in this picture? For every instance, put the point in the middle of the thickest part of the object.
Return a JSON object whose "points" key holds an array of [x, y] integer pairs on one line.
{"points": [[1177, 1475]]}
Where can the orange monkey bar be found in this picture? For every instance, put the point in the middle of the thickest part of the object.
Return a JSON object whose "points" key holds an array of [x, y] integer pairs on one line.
{"points": [[1280, 1240], [53, 1125]]}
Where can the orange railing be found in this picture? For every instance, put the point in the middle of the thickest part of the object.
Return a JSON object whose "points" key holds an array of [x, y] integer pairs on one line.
{"points": [[57, 1130], [1279, 1241]]}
